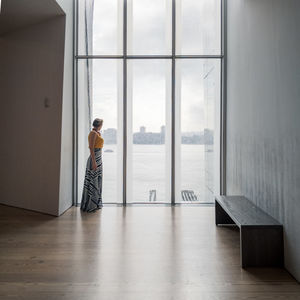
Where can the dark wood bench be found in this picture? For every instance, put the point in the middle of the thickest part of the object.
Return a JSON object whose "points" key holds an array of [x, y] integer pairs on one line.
{"points": [[261, 236]]}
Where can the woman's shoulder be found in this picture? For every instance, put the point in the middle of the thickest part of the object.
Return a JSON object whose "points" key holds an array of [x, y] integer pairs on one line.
{"points": [[92, 132]]}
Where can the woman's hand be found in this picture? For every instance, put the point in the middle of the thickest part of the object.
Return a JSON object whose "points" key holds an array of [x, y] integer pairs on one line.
{"points": [[94, 166]]}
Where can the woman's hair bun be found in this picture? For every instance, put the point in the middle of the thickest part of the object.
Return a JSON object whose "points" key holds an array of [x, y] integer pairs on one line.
{"points": [[97, 122]]}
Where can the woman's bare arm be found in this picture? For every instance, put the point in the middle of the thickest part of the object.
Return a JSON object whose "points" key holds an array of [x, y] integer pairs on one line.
{"points": [[91, 146]]}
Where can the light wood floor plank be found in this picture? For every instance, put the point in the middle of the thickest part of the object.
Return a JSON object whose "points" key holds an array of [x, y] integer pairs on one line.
{"points": [[157, 253]]}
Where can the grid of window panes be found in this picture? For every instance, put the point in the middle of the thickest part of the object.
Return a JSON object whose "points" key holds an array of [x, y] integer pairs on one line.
{"points": [[165, 83]]}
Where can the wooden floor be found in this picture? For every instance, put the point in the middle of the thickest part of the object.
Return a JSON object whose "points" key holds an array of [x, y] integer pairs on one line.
{"points": [[144, 253]]}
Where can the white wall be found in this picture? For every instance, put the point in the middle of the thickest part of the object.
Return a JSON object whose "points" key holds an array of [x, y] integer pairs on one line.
{"points": [[31, 88], [66, 172], [36, 62], [263, 124]]}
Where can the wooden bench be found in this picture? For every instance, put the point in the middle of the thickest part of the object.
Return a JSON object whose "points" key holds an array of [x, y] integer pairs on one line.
{"points": [[261, 236]]}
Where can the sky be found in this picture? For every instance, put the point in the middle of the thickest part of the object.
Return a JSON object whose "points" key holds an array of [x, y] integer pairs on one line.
{"points": [[149, 81]]}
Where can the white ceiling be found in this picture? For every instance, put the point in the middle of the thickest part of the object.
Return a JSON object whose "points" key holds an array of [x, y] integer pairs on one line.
{"points": [[16, 14]]}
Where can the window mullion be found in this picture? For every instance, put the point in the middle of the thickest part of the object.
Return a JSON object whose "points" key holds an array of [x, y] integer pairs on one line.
{"points": [[125, 102], [173, 102]]}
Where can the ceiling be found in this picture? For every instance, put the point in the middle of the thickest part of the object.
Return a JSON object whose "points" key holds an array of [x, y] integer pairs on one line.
{"points": [[16, 14]]}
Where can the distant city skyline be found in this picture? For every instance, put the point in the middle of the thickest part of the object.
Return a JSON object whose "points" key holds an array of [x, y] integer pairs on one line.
{"points": [[157, 138]]}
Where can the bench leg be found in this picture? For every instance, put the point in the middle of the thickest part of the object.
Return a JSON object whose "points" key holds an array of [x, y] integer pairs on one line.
{"points": [[221, 215], [261, 246]]}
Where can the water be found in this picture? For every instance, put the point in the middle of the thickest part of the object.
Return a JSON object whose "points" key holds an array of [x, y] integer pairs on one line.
{"points": [[149, 169]]}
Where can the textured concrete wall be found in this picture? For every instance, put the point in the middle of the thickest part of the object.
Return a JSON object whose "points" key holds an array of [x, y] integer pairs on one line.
{"points": [[31, 89], [263, 124]]}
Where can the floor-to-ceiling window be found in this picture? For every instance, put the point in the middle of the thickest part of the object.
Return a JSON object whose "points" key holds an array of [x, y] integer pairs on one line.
{"points": [[152, 71]]}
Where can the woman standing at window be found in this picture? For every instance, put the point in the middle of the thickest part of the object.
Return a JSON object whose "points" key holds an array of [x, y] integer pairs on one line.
{"points": [[92, 188]]}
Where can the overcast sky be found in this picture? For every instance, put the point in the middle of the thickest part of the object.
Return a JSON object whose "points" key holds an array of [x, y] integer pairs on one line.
{"points": [[149, 81]]}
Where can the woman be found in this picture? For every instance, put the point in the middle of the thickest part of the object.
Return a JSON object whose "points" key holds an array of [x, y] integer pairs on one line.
{"points": [[92, 188]]}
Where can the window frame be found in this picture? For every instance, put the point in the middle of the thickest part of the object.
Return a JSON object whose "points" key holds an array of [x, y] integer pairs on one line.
{"points": [[173, 57]]}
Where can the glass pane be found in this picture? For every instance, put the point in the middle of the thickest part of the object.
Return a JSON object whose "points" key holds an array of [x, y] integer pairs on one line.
{"points": [[198, 27], [197, 129], [149, 115], [100, 30], [106, 103], [149, 27]]}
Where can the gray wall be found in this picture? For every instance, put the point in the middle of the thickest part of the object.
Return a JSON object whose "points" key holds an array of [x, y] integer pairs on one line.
{"points": [[263, 123], [31, 64]]}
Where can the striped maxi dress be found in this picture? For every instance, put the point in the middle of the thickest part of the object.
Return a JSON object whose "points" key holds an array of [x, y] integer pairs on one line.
{"points": [[92, 188]]}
